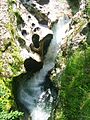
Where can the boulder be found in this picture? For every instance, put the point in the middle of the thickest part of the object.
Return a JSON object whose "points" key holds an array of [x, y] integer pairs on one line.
{"points": [[32, 65]]}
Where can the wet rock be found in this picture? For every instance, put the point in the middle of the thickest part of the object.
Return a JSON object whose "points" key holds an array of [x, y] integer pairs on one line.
{"points": [[40, 47], [22, 42], [42, 2], [43, 22], [32, 65], [35, 39], [24, 32], [33, 24], [36, 29], [47, 40]]}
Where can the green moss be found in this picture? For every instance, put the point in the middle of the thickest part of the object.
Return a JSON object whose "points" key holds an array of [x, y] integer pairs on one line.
{"points": [[19, 18], [11, 64]]}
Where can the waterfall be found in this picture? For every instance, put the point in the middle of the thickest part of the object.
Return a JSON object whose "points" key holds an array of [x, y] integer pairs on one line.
{"points": [[32, 94]]}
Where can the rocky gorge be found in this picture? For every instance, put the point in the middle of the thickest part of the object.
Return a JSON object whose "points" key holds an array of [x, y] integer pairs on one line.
{"points": [[42, 36]]}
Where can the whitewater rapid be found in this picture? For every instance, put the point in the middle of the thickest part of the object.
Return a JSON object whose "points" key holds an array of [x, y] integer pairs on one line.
{"points": [[32, 94]]}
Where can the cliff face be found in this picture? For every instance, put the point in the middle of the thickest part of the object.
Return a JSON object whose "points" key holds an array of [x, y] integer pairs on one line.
{"points": [[21, 20], [26, 32]]}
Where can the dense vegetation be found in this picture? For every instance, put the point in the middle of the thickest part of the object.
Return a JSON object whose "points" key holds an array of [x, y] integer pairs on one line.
{"points": [[75, 87]]}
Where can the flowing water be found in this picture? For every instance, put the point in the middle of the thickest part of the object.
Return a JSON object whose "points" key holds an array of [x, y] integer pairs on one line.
{"points": [[33, 95]]}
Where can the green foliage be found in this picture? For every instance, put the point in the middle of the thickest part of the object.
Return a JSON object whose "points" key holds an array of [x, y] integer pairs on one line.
{"points": [[10, 116], [74, 4], [75, 87], [88, 8], [11, 64], [4, 96], [6, 101]]}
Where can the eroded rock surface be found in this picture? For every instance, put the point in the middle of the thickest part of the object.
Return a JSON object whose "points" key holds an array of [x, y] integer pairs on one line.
{"points": [[4, 34], [38, 18]]}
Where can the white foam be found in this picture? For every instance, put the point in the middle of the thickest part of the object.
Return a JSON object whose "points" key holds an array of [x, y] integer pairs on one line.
{"points": [[31, 101]]}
